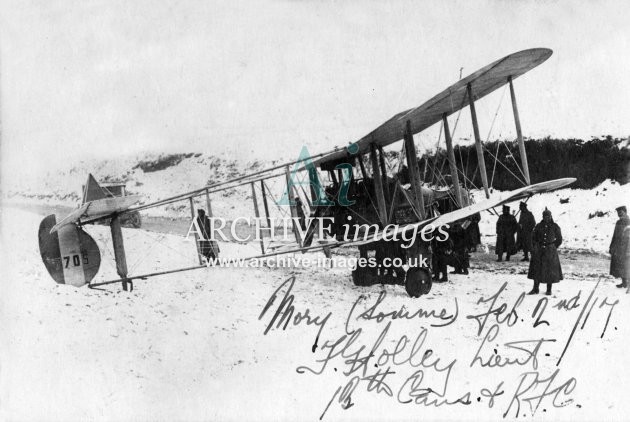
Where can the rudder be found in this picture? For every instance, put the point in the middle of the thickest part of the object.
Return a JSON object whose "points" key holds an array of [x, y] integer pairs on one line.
{"points": [[70, 255]]}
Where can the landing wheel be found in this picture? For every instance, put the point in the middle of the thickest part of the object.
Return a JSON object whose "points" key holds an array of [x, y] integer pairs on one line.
{"points": [[418, 282]]}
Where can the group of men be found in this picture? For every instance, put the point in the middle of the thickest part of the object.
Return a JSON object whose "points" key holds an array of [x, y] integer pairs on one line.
{"points": [[540, 241], [543, 239], [512, 236], [508, 228], [455, 251]]}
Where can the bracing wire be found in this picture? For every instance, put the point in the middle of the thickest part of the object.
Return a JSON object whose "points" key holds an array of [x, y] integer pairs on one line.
{"points": [[510, 171]]}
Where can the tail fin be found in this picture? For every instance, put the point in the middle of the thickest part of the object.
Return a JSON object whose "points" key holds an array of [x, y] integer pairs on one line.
{"points": [[93, 191]]}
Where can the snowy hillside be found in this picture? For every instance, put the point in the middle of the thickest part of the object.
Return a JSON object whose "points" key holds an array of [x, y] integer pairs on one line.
{"points": [[154, 176]]}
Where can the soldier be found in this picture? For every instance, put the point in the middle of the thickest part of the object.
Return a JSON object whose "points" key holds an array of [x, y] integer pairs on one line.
{"points": [[473, 236], [545, 264], [208, 248], [619, 253], [459, 258], [440, 258], [526, 224], [506, 228]]}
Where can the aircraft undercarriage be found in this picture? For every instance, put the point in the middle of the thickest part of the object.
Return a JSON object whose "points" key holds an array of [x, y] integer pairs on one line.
{"points": [[395, 265]]}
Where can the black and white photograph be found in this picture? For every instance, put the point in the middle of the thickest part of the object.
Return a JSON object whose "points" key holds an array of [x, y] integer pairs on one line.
{"points": [[314, 210]]}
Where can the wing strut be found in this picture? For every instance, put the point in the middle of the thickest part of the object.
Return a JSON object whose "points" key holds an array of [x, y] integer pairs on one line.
{"points": [[482, 163], [119, 252], [363, 171], [378, 186], [208, 204], [257, 213], [265, 204], [519, 134], [414, 170], [292, 205], [451, 161], [381, 161]]}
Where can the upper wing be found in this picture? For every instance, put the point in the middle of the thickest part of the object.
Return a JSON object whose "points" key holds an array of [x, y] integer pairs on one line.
{"points": [[452, 99]]}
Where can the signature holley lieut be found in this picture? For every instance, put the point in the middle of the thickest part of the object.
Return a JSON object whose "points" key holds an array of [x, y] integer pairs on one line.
{"points": [[413, 372]]}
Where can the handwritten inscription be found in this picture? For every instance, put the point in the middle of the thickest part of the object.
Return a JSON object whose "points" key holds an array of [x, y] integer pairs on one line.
{"points": [[398, 352]]}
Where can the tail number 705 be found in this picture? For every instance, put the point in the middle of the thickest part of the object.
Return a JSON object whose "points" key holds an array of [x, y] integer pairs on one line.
{"points": [[76, 259]]}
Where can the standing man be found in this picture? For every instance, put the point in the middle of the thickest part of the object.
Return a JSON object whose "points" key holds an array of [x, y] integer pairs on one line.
{"points": [[473, 236], [506, 229], [209, 248], [619, 253], [545, 264], [440, 258], [459, 259], [526, 224]]}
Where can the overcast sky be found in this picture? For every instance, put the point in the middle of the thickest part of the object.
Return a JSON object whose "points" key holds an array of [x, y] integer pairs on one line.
{"points": [[106, 78]]}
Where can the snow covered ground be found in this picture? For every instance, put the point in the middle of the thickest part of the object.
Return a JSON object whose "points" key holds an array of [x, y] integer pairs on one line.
{"points": [[192, 345], [195, 345]]}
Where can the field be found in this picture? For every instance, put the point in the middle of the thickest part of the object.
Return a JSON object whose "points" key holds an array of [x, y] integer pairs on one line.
{"points": [[195, 346]]}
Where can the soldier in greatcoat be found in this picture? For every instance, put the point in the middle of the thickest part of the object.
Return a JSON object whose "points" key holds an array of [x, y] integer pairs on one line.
{"points": [[208, 248], [506, 229], [473, 235], [460, 258], [526, 224], [442, 251], [619, 251], [544, 266]]}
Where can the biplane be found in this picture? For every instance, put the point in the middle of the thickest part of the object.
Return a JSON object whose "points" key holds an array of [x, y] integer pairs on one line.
{"points": [[356, 187]]}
